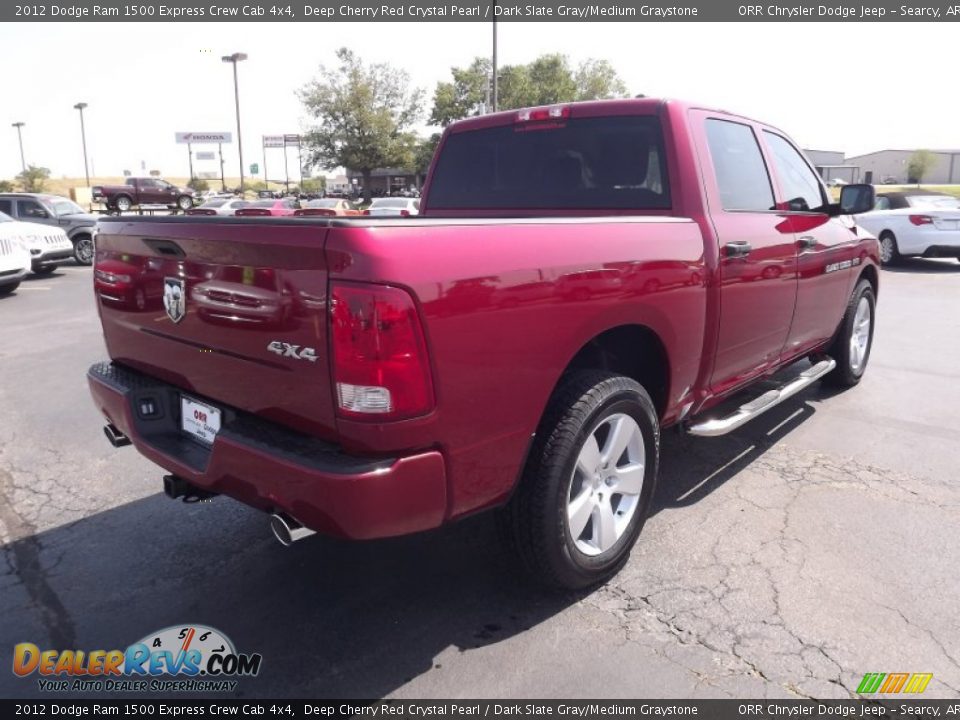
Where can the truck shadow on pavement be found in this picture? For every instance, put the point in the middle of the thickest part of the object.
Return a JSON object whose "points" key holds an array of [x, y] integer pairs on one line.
{"points": [[331, 618]]}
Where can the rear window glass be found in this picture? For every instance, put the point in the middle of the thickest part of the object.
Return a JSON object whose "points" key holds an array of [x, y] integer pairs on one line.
{"points": [[262, 203], [589, 163], [389, 203]]}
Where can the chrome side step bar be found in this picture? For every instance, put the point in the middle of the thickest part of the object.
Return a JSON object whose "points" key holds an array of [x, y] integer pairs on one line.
{"points": [[745, 413]]}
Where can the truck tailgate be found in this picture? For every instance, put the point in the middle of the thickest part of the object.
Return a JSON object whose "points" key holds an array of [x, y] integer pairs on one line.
{"points": [[233, 312]]}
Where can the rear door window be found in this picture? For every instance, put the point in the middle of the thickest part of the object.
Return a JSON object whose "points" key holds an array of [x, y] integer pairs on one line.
{"points": [[31, 209], [6, 206], [742, 177], [580, 163]]}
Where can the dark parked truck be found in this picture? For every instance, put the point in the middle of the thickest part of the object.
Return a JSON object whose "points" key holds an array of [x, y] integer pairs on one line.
{"points": [[581, 277], [143, 191]]}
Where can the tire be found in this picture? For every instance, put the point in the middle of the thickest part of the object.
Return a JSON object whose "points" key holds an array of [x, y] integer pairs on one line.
{"points": [[184, 202], [83, 249], [569, 527], [889, 252], [9, 288], [123, 203], [852, 356], [45, 269]]}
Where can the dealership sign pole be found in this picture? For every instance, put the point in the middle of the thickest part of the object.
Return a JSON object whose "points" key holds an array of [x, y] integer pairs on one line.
{"points": [[270, 141]]}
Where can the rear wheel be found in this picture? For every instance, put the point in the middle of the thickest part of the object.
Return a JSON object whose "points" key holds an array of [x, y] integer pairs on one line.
{"points": [[123, 203], [9, 288], [889, 253], [586, 490], [854, 340], [83, 249], [184, 202], [44, 269]]}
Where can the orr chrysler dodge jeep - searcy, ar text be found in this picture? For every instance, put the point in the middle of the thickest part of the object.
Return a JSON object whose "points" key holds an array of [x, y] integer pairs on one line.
{"points": [[579, 278]]}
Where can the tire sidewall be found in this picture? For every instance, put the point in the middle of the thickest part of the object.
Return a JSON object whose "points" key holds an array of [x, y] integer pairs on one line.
{"points": [[629, 402], [865, 290]]}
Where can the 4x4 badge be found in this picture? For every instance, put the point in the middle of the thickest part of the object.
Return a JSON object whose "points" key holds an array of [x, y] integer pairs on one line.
{"points": [[175, 298]]}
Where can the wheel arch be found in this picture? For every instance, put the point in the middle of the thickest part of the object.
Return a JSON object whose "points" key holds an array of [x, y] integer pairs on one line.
{"points": [[635, 351], [871, 275]]}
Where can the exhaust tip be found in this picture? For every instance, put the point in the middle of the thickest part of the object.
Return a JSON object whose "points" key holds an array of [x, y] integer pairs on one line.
{"points": [[287, 530], [116, 438]]}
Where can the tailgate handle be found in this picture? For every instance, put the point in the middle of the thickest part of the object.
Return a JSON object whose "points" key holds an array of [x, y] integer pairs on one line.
{"points": [[165, 247]]}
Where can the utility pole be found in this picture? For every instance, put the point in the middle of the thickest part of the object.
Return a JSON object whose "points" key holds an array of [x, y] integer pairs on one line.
{"points": [[234, 59], [19, 126], [83, 136]]}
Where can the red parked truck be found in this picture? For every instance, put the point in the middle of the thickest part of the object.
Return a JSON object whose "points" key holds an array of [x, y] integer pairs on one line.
{"points": [[581, 277], [143, 191]]}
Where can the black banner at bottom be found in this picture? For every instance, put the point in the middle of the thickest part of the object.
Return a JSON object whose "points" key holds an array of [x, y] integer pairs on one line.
{"points": [[501, 709]]}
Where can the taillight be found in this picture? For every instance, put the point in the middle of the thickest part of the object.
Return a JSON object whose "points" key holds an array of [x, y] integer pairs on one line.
{"points": [[380, 365], [555, 112], [921, 220], [366, 212], [404, 213]]}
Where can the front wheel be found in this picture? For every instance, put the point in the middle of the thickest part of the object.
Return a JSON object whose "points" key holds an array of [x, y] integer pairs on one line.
{"points": [[851, 347], [586, 491], [83, 249]]}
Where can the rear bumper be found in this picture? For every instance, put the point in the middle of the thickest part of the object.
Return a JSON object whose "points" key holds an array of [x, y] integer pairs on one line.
{"points": [[275, 469]]}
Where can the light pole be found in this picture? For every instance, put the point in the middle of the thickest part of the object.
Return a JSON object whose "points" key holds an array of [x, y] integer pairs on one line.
{"points": [[494, 55], [83, 136], [234, 59], [23, 162]]}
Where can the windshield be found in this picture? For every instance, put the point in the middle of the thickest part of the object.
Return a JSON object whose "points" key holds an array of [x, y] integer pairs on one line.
{"points": [[323, 203], [389, 203], [592, 163], [66, 207], [934, 201]]}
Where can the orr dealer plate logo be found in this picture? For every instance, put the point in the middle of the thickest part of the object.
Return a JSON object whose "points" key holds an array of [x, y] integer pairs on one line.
{"points": [[175, 298], [184, 658]]}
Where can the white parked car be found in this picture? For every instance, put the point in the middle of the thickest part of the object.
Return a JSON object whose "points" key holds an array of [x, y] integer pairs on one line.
{"points": [[914, 222], [14, 255], [219, 206], [394, 207]]}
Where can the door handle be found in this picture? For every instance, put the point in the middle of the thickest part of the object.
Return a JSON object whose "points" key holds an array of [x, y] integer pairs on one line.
{"points": [[807, 242], [737, 248]]}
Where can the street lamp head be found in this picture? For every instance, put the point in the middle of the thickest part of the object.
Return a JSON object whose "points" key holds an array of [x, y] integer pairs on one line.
{"points": [[17, 124], [235, 58], [79, 106]]}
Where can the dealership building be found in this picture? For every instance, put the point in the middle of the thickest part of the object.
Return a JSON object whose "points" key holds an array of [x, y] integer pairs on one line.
{"points": [[885, 166], [891, 166]]}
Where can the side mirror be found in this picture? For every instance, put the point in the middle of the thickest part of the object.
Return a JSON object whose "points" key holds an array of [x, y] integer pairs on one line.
{"points": [[856, 199]]}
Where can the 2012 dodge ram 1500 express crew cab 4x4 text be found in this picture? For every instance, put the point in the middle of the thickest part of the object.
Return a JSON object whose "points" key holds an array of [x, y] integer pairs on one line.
{"points": [[581, 276]]}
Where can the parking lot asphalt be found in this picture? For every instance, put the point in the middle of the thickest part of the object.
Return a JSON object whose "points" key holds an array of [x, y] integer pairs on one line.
{"points": [[818, 543]]}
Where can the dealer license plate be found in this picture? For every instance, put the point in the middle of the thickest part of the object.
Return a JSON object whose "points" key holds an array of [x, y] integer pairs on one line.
{"points": [[199, 420]]}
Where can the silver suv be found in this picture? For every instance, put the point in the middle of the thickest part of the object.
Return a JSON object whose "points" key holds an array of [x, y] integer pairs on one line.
{"points": [[58, 211]]}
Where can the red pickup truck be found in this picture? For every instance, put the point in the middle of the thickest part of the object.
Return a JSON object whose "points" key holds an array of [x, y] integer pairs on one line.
{"points": [[143, 191], [581, 277]]}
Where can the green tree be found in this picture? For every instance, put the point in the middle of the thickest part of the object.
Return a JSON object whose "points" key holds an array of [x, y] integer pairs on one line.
{"points": [[548, 79], [920, 162], [362, 117], [33, 179], [6, 186], [423, 155]]}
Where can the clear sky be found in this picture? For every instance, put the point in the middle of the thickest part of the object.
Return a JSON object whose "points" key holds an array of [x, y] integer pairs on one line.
{"points": [[845, 86]]}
